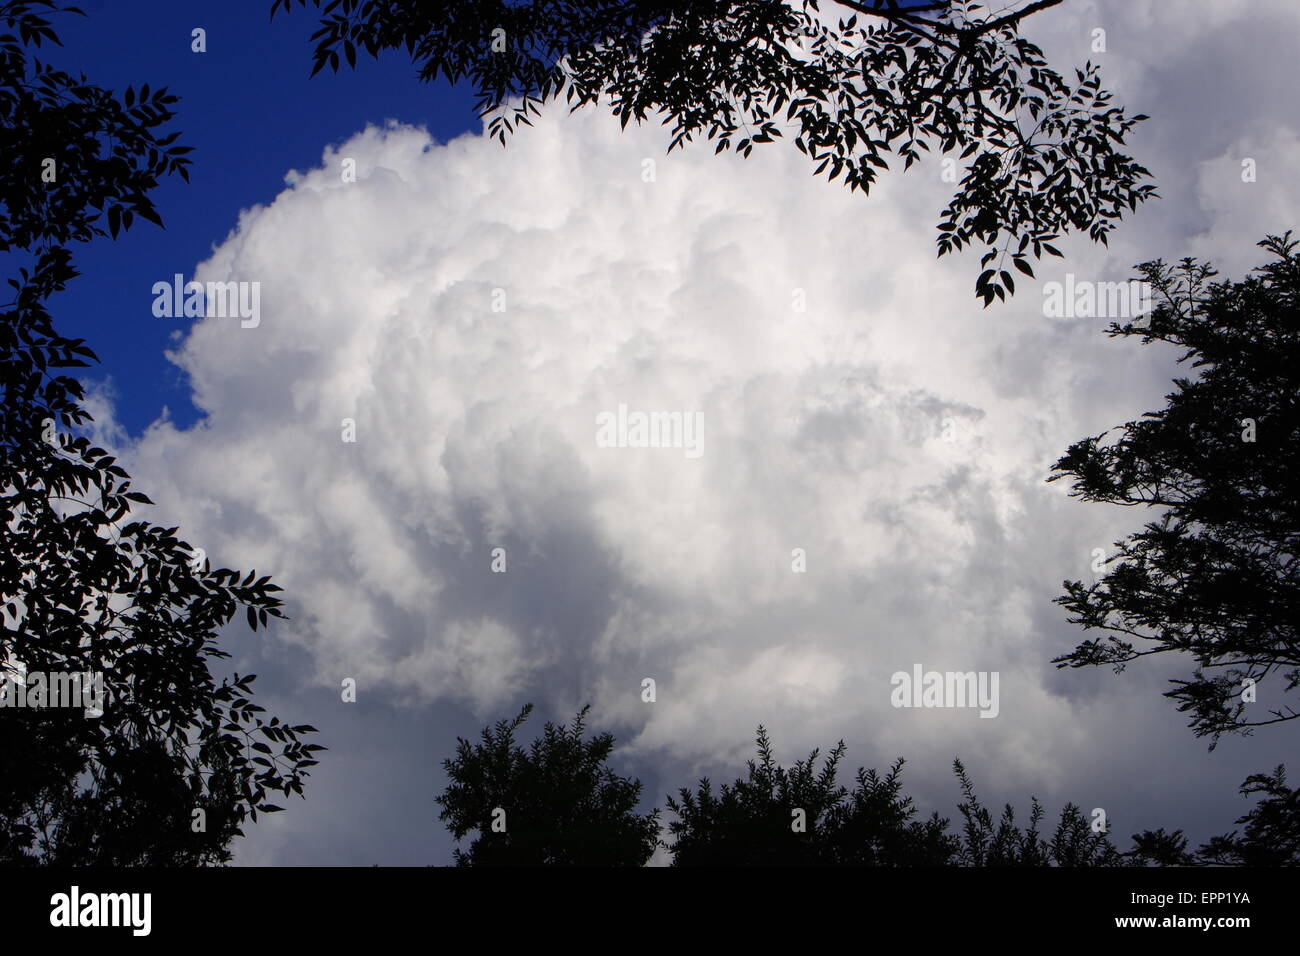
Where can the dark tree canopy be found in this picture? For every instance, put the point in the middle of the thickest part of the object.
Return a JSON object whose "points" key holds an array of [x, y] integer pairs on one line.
{"points": [[1215, 575], [1271, 835], [556, 803], [1073, 843], [954, 77], [84, 587], [753, 822], [107, 151]]}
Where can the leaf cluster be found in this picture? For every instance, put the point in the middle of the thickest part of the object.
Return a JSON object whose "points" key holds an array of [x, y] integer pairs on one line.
{"points": [[85, 585], [1042, 153], [1214, 576]]}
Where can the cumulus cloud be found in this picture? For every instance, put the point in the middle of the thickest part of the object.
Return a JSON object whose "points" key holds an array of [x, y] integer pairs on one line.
{"points": [[472, 310]]}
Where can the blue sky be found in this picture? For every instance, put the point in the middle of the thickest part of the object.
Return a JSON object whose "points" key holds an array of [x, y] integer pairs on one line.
{"points": [[251, 113]]}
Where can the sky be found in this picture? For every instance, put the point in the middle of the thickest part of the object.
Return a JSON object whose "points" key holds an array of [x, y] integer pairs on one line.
{"points": [[466, 313]]}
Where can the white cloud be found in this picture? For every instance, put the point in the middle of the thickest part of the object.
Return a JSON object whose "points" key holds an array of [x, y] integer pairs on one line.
{"points": [[824, 430]]}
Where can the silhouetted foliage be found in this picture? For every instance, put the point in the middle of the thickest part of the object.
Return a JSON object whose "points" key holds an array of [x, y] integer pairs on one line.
{"points": [[1272, 827], [137, 808], [106, 151], [1271, 836], [753, 822], [563, 806], [874, 826], [951, 76], [1074, 843], [558, 803], [1158, 848], [82, 588], [1215, 575]]}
